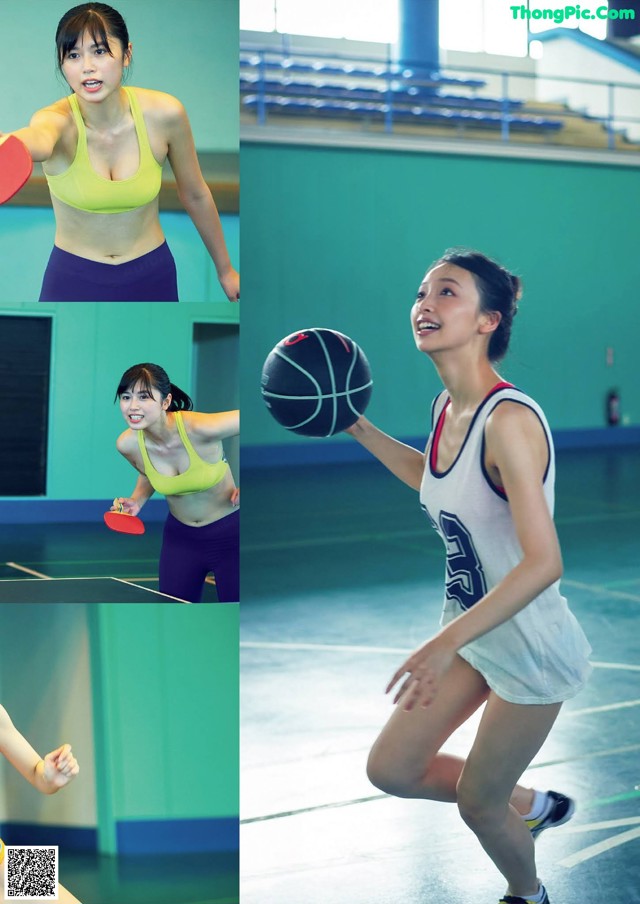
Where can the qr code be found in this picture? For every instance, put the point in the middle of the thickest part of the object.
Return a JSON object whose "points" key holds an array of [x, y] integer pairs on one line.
{"points": [[31, 873]]}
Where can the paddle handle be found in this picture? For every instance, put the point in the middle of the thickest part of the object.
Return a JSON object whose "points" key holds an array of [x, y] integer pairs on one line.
{"points": [[125, 505]]}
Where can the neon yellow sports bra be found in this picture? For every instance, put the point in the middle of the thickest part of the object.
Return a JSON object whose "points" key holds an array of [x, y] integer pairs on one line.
{"points": [[201, 475], [81, 187]]}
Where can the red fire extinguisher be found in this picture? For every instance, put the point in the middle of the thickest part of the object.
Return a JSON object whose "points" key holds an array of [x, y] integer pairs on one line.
{"points": [[613, 408]]}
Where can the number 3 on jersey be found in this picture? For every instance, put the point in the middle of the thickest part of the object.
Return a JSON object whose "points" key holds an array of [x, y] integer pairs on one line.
{"points": [[465, 577]]}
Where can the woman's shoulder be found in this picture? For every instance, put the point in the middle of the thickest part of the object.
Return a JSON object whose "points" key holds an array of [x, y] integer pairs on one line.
{"points": [[127, 442], [62, 105], [195, 422], [159, 103], [202, 425], [516, 414], [58, 109], [511, 402]]}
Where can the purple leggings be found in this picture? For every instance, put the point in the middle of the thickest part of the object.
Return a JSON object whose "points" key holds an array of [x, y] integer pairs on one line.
{"points": [[190, 553], [151, 277]]}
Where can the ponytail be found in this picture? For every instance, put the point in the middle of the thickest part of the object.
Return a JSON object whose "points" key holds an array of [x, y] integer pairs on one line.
{"points": [[180, 401]]}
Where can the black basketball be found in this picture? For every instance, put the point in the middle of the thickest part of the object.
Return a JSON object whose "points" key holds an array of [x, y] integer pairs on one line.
{"points": [[316, 382]]}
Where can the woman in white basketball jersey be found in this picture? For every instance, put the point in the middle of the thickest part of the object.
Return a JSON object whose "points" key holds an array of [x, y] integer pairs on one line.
{"points": [[508, 639]]}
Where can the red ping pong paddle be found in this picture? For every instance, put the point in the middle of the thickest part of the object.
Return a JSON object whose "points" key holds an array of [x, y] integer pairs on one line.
{"points": [[123, 522], [16, 166]]}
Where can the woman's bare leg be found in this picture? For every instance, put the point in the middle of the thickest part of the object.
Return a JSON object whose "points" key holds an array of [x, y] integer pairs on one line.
{"points": [[405, 759], [508, 738]]}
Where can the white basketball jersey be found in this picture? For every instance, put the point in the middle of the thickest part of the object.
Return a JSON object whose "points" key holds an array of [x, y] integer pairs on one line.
{"points": [[540, 654]]}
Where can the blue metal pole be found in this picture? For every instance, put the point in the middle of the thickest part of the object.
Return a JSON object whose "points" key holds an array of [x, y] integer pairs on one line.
{"points": [[262, 105], [505, 107], [612, 137], [418, 44], [388, 113]]}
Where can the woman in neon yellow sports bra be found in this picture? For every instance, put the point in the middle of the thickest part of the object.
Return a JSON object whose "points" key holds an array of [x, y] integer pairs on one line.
{"points": [[102, 150], [178, 452], [48, 775]]}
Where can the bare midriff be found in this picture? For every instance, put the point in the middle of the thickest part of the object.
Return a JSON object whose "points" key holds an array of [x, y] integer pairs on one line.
{"points": [[108, 238], [205, 507]]}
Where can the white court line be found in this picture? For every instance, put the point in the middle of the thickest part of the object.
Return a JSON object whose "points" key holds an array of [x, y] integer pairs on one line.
{"points": [[345, 648], [390, 536], [616, 665], [602, 847], [600, 516], [597, 588], [149, 590], [626, 704], [351, 648], [44, 577], [333, 539], [610, 751], [598, 826]]}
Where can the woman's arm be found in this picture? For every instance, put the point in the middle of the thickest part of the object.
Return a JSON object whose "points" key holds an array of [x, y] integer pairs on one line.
{"points": [[196, 197], [41, 135], [517, 448], [216, 426], [405, 462], [47, 775], [143, 491]]}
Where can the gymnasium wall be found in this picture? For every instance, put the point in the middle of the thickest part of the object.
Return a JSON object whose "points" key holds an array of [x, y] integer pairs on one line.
{"points": [[165, 690], [148, 697], [186, 49], [350, 233], [92, 345], [45, 683]]}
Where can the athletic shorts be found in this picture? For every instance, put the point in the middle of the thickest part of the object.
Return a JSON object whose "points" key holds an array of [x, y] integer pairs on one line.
{"points": [[151, 277]]}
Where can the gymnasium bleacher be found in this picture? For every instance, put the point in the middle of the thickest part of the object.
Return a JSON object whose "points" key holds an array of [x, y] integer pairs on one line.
{"points": [[283, 86]]}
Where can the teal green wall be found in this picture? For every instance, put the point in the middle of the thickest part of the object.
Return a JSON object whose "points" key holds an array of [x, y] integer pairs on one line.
{"points": [[165, 701], [45, 688], [340, 238], [93, 344], [147, 695], [187, 49], [26, 240]]}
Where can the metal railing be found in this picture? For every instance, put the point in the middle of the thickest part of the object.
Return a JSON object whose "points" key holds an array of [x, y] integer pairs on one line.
{"points": [[274, 80]]}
